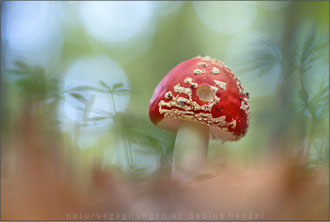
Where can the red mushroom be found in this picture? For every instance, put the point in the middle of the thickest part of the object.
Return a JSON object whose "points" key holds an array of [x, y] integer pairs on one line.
{"points": [[200, 98]]}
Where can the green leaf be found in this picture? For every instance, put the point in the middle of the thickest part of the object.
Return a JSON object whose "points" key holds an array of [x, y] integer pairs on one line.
{"points": [[320, 100], [306, 68], [303, 95], [17, 72], [116, 86], [323, 91], [311, 50], [98, 118], [308, 49], [105, 85], [40, 70], [265, 56], [87, 88], [265, 69], [79, 97], [122, 92], [21, 65]]}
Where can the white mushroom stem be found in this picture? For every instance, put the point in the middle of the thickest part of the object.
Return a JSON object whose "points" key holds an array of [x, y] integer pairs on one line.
{"points": [[190, 151]]}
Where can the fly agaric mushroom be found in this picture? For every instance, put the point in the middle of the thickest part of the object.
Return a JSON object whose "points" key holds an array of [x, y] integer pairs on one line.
{"points": [[200, 98]]}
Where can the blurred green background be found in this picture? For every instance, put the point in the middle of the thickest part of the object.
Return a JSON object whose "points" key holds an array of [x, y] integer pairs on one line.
{"points": [[80, 75]]}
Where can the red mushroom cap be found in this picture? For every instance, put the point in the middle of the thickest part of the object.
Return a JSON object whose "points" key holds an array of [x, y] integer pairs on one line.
{"points": [[205, 91]]}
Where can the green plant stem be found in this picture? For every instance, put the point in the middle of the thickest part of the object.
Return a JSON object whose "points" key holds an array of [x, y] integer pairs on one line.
{"points": [[113, 103], [129, 163], [310, 132], [130, 154]]}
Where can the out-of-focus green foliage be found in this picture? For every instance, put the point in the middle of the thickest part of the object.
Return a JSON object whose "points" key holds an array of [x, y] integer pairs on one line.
{"points": [[296, 53], [293, 118], [34, 84]]}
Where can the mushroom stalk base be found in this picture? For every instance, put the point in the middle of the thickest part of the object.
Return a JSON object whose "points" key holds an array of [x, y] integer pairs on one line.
{"points": [[190, 151]]}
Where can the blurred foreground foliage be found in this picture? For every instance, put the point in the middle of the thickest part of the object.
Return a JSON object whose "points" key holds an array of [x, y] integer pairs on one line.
{"points": [[40, 95], [289, 134], [302, 93], [298, 107]]}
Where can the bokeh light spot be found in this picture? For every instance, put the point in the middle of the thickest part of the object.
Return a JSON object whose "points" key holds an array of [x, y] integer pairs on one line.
{"points": [[88, 72], [113, 22], [31, 28], [226, 17]]}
